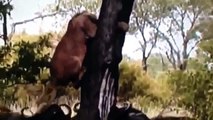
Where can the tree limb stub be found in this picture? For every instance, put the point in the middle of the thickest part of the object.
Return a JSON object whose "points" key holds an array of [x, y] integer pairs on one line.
{"points": [[99, 89]]}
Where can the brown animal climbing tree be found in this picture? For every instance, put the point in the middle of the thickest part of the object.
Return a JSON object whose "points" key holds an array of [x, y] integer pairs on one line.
{"points": [[100, 82]]}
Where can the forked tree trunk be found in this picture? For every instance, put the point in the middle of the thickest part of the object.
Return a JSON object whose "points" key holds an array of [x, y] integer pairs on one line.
{"points": [[100, 82]]}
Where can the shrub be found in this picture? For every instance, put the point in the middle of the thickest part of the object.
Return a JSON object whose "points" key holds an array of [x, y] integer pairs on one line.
{"points": [[23, 62], [141, 88], [194, 91]]}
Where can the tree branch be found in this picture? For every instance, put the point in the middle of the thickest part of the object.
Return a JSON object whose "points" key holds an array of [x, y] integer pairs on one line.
{"points": [[162, 61], [162, 34], [192, 48], [13, 26], [142, 45], [155, 40], [183, 14], [141, 29], [169, 58], [167, 55], [193, 21], [172, 37], [175, 20]]}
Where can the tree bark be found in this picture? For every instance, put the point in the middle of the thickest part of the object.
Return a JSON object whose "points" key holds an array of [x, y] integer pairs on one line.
{"points": [[144, 64], [4, 14], [183, 64], [100, 82]]}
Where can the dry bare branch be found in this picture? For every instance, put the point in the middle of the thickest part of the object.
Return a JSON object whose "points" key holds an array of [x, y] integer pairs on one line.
{"points": [[155, 40], [193, 47], [13, 26]]}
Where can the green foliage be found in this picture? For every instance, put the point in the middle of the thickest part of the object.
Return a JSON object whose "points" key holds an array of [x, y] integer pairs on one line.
{"points": [[191, 90], [131, 79], [196, 63], [207, 47], [136, 85], [194, 92], [157, 63], [27, 60], [5, 7], [74, 6], [24, 62]]}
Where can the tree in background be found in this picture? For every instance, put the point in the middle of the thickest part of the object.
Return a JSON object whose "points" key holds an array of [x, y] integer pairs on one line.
{"points": [[157, 63], [194, 88], [144, 12], [178, 33], [206, 47], [5, 9]]}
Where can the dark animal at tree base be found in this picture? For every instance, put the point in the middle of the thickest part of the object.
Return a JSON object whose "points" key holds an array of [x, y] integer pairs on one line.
{"points": [[4, 109], [172, 118], [11, 116], [126, 113], [7, 114], [50, 112]]}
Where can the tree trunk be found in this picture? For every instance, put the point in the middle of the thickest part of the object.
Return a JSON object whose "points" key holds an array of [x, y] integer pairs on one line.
{"points": [[4, 14], [183, 64], [100, 82], [164, 67], [144, 64]]}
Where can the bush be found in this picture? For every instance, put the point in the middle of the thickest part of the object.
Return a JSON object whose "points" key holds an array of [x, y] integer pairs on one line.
{"points": [[140, 88], [131, 77], [194, 91], [23, 62]]}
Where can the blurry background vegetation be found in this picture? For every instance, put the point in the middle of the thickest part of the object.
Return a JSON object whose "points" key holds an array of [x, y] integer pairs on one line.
{"points": [[171, 77]]}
